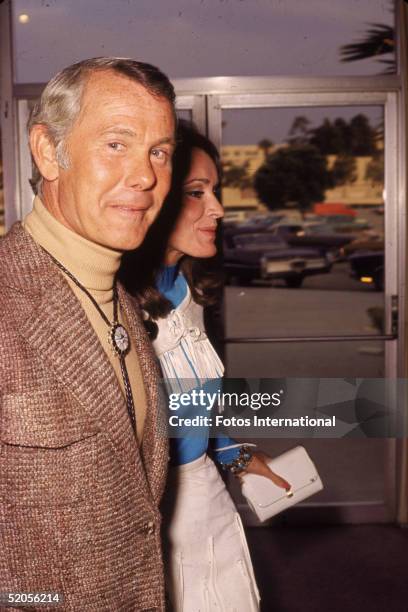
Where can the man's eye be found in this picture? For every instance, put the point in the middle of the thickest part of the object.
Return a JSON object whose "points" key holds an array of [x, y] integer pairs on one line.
{"points": [[195, 193], [160, 154], [116, 146]]}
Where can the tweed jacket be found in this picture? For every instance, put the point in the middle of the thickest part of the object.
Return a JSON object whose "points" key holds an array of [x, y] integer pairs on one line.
{"points": [[78, 500]]}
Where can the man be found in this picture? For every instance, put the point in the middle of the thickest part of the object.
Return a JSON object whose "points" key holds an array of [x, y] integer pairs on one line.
{"points": [[82, 458]]}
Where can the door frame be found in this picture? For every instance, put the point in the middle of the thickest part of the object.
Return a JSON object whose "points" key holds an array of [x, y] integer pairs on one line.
{"points": [[205, 98]]}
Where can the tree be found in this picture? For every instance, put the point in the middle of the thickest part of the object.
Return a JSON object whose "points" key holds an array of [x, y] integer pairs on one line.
{"points": [[265, 145], [329, 138], [344, 170], [357, 138], [342, 129], [236, 176], [379, 40], [375, 169], [299, 131], [297, 173], [363, 136]]}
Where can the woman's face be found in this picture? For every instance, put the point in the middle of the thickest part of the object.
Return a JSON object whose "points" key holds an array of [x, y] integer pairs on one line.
{"points": [[195, 228]]}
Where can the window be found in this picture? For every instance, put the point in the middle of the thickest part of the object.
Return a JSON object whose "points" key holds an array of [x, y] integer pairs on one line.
{"points": [[204, 38]]}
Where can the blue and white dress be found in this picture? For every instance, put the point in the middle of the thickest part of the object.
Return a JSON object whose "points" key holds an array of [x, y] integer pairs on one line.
{"points": [[208, 564]]}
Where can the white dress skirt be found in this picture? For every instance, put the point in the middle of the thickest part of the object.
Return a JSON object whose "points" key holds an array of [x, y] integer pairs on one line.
{"points": [[207, 561]]}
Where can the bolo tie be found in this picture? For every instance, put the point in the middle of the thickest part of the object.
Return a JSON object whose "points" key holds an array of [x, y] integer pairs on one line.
{"points": [[118, 336]]}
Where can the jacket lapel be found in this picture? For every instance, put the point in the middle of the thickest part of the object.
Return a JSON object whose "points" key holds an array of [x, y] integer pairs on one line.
{"points": [[155, 440]]}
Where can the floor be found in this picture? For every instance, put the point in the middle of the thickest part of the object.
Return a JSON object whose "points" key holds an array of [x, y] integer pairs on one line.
{"points": [[331, 569]]}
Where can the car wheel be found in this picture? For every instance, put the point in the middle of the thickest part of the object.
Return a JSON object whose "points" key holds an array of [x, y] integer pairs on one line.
{"points": [[295, 282]]}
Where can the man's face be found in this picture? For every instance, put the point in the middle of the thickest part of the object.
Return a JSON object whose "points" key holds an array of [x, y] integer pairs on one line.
{"points": [[119, 170]]}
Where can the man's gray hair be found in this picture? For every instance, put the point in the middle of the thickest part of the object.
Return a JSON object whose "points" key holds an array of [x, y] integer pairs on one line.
{"points": [[60, 102]]}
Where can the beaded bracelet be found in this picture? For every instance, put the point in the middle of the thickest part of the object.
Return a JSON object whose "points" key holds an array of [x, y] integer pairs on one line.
{"points": [[241, 463]]}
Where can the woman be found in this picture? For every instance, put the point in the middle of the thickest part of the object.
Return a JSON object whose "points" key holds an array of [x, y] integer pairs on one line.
{"points": [[208, 563]]}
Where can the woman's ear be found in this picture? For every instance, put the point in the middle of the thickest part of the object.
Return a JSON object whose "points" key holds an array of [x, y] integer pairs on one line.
{"points": [[44, 152]]}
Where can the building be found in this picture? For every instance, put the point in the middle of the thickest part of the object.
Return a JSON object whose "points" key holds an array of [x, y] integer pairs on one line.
{"points": [[362, 192]]}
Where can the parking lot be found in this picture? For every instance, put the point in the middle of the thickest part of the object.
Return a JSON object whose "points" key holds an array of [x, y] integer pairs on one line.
{"points": [[327, 305], [330, 304]]}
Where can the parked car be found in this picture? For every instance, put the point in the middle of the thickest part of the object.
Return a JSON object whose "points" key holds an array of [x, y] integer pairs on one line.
{"points": [[318, 236], [340, 223], [327, 209], [258, 223], [373, 242], [234, 216], [368, 267], [265, 256]]}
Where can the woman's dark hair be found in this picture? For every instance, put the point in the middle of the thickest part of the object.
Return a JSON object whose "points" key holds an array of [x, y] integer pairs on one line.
{"points": [[140, 268]]}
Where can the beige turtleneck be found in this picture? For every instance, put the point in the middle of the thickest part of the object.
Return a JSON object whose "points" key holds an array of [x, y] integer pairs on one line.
{"points": [[94, 266]]}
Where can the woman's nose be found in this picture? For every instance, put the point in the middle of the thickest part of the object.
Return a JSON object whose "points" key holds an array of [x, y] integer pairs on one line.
{"points": [[215, 208]]}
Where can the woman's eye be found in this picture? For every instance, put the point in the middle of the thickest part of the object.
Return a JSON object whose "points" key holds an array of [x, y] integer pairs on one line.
{"points": [[195, 193]]}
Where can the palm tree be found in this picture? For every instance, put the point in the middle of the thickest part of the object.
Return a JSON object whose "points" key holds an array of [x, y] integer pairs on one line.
{"points": [[379, 40]]}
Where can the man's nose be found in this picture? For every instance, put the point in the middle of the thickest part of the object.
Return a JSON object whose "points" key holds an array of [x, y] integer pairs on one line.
{"points": [[141, 175]]}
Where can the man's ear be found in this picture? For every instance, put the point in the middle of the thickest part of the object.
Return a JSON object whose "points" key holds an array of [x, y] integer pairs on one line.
{"points": [[44, 153]]}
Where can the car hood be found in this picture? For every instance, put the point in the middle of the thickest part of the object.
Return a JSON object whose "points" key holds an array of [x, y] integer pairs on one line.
{"points": [[271, 253]]}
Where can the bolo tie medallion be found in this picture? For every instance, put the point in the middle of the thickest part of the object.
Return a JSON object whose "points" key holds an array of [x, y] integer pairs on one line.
{"points": [[119, 339]]}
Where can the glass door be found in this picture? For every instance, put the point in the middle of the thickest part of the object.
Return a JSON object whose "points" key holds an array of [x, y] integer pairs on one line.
{"points": [[322, 299], [310, 257]]}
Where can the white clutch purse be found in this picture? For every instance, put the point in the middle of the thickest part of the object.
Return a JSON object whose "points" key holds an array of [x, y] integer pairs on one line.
{"points": [[267, 499]]}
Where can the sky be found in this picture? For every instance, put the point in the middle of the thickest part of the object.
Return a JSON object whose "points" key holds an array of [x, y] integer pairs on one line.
{"points": [[196, 38]]}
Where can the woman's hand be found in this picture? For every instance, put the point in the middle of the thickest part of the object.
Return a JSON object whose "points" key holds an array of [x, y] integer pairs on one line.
{"points": [[259, 466]]}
